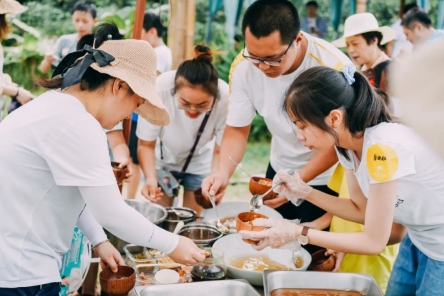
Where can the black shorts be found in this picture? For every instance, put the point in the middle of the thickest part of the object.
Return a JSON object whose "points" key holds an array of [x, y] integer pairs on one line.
{"points": [[133, 142], [306, 212]]}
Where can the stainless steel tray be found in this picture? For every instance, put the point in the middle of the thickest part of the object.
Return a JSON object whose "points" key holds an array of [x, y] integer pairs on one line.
{"points": [[320, 280], [213, 288]]}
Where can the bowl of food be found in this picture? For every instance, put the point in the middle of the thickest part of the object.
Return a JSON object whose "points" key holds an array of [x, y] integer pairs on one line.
{"points": [[260, 185], [118, 283], [202, 235], [228, 211], [243, 262], [322, 262], [119, 173], [244, 221]]}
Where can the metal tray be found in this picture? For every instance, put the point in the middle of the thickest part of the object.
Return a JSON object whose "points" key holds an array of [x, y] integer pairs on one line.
{"points": [[215, 288], [132, 250], [320, 280]]}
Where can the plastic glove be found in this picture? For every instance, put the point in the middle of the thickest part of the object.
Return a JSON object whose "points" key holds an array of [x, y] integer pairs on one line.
{"points": [[293, 188], [280, 233]]}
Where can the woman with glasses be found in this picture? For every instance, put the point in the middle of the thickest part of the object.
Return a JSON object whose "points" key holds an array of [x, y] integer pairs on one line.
{"points": [[196, 99]]}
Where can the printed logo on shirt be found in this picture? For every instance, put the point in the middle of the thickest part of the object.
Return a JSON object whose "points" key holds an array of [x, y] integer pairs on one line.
{"points": [[382, 162]]}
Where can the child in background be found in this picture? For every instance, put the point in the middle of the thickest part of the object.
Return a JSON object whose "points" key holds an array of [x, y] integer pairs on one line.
{"points": [[83, 18]]}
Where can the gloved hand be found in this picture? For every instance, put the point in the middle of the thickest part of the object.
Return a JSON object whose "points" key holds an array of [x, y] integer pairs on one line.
{"points": [[280, 233], [293, 188]]}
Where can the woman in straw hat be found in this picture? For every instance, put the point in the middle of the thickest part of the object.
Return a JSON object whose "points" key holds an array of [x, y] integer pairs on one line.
{"points": [[197, 101], [363, 38], [7, 87], [55, 169], [392, 173]]}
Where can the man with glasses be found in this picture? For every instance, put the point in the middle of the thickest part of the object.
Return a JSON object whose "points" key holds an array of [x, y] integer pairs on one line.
{"points": [[275, 53]]}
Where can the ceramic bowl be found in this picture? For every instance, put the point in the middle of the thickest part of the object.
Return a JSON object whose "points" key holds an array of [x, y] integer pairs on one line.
{"points": [[119, 283], [201, 200], [233, 247], [119, 173], [244, 222], [320, 262], [258, 188]]}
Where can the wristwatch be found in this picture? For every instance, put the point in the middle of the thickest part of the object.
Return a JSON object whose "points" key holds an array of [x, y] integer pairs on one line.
{"points": [[303, 239]]}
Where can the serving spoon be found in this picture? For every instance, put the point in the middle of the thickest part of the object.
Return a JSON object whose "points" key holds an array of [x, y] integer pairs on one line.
{"points": [[257, 200], [222, 228]]}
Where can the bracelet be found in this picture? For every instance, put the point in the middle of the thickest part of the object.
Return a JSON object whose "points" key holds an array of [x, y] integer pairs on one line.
{"points": [[100, 243]]}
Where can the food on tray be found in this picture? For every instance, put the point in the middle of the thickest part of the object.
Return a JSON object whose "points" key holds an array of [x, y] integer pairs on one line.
{"points": [[156, 253], [146, 279], [266, 182], [256, 263], [313, 292], [140, 256]]}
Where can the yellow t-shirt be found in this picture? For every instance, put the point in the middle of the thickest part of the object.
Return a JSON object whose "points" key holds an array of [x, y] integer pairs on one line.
{"points": [[379, 266]]}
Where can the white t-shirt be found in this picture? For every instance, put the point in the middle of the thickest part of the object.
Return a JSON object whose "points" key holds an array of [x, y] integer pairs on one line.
{"points": [[164, 58], [252, 91], [39, 197], [401, 43], [395, 152], [179, 136]]}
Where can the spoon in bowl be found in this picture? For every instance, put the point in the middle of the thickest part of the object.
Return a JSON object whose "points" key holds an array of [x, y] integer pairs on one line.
{"points": [[222, 228], [257, 200]]}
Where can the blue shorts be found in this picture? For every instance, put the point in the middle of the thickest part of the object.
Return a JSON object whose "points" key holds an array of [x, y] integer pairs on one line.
{"points": [[414, 273], [51, 289], [190, 181]]}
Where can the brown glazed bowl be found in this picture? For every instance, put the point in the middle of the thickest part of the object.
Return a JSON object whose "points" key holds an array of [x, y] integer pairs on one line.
{"points": [[320, 262], [257, 188], [119, 283], [118, 172], [201, 200], [243, 222]]}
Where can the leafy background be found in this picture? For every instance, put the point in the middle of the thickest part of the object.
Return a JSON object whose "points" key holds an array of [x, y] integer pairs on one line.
{"points": [[35, 31]]}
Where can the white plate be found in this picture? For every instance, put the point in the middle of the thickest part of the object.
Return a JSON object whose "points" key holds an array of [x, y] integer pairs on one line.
{"points": [[233, 208], [233, 246]]}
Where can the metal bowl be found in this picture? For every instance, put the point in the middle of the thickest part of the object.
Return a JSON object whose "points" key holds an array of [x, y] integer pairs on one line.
{"points": [[187, 216], [201, 235], [153, 212]]}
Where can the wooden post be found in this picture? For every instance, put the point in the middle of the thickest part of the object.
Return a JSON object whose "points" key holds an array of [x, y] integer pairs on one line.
{"points": [[137, 34], [361, 6], [401, 8], [181, 30]]}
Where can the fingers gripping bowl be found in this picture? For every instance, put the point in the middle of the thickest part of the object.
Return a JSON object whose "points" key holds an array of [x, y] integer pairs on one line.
{"points": [[244, 221]]}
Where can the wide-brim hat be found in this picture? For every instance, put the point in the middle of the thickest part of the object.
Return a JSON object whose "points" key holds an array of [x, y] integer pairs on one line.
{"points": [[11, 7], [135, 63], [360, 23], [417, 83]]}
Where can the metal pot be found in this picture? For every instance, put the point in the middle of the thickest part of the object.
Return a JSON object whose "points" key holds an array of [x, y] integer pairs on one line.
{"points": [[153, 212], [201, 235], [186, 215]]}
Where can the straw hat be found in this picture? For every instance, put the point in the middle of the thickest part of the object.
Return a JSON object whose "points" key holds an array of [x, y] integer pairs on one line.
{"points": [[357, 24], [135, 63], [11, 6], [417, 82]]}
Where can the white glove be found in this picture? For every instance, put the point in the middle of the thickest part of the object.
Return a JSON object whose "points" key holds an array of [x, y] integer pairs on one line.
{"points": [[293, 188], [279, 233]]}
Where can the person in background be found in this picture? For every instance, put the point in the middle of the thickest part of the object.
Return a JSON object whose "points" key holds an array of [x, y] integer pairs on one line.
{"points": [[152, 31], [18, 94], [274, 55], [196, 98], [56, 146], [393, 175], [363, 38], [418, 28], [400, 46], [83, 17], [312, 23]]}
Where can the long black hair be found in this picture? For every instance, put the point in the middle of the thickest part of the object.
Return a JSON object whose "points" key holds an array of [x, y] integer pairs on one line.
{"points": [[319, 90]]}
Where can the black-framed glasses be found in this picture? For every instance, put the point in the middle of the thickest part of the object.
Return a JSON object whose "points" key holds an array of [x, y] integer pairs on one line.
{"points": [[269, 62]]}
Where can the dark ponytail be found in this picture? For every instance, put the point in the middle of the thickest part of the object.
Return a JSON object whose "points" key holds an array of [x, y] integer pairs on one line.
{"points": [[92, 79], [198, 72], [319, 90]]}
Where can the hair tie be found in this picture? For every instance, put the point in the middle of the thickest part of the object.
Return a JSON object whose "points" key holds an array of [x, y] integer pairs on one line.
{"points": [[109, 37], [349, 71]]}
